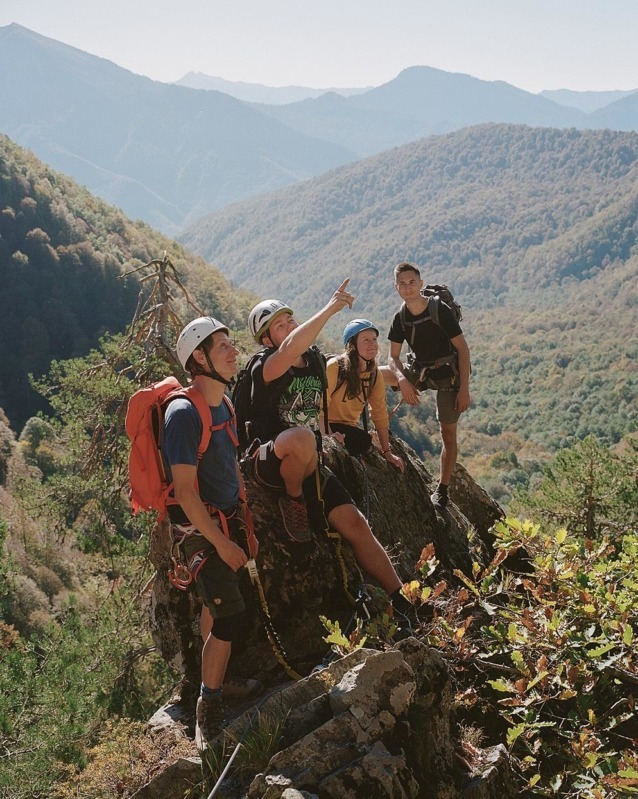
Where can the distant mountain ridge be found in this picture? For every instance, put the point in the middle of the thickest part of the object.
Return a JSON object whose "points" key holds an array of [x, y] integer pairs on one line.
{"points": [[258, 92], [419, 102], [169, 154], [163, 153], [585, 101], [477, 201]]}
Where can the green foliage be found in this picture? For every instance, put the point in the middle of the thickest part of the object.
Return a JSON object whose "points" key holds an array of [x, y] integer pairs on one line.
{"points": [[543, 642], [124, 758], [65, 263], [341, 643], [57, 689], [253, 750], [589, 490]]}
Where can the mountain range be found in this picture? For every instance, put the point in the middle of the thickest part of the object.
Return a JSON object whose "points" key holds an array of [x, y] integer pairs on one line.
{"points": [[536, 232], [257, 92], [163, 153], [168, 154]]}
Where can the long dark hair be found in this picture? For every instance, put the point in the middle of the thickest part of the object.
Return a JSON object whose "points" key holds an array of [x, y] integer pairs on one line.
{"points": [[349, 371]]}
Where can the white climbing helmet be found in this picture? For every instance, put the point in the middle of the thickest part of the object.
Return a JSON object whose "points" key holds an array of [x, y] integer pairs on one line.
{"points": [[263, 314], [194, 333]]}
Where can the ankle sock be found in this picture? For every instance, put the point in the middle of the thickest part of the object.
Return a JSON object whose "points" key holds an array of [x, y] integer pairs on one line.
{"points": [[207, 693]]}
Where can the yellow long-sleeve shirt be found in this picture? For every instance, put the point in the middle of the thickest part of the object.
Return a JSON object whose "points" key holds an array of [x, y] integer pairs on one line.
{"points": [[348, 411]]}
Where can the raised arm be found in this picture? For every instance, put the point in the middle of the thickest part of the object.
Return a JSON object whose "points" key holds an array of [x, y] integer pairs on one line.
{"points": [[303, 336]]}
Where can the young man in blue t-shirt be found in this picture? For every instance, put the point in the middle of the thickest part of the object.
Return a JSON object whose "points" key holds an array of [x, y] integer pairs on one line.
{"points": [[202, 489]]}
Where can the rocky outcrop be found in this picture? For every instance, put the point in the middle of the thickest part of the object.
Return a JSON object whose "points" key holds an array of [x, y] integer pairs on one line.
{"points": [[375, 723], [302, 582], [371, 724]]}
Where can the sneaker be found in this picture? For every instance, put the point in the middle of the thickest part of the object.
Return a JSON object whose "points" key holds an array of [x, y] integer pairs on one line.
{"points": [[295, 516], [210, 716], [237, 689], [439, 499]]}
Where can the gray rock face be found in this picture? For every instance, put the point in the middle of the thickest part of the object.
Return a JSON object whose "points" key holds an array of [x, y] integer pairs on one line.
{"points": [[373, 724], [302, 582]]}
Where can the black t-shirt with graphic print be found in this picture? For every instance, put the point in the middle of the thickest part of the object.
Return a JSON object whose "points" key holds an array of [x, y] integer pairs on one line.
{"points": [[292, 400]]}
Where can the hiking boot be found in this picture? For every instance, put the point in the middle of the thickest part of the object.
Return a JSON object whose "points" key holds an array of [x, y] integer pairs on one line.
{"points": [[439, 499], [295, 517], [237, 689], [210, 716]]}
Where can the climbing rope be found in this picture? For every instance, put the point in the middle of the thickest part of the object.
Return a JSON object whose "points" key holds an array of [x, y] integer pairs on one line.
{"points": [[276, 644]]}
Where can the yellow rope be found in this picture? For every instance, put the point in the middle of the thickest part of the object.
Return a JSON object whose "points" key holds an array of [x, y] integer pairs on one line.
{"points": [[270, 632]]}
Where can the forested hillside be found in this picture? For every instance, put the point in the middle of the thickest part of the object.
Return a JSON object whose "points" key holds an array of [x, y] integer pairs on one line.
{"points": [[62, 258], [534, 229]]}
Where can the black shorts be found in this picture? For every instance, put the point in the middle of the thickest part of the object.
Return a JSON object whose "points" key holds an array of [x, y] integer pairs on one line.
{"points": [[334, 494], [357, 441], [217, 584]]}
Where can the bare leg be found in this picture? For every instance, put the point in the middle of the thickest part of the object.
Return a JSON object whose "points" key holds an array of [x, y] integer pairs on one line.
{"points": [[215, 656], [368, 552], [205, 622], [449, 451], [297, 450]]}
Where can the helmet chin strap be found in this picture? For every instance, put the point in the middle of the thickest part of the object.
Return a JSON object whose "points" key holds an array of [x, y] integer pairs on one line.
{"points": [[213, 373], [369, 362]]}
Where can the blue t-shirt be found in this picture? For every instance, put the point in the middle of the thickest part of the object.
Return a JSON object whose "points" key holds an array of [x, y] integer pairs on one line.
{"points": [[217, 470]]}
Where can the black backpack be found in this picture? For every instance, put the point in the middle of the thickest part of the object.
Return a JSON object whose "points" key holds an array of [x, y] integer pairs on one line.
{"points": [[435, 295], [243, 395]]}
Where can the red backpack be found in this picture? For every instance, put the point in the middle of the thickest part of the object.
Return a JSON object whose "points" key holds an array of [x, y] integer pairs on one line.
{"points": [[149, 483]]}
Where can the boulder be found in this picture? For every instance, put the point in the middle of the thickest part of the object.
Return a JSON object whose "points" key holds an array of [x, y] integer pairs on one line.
{"points": [[302, 582]]}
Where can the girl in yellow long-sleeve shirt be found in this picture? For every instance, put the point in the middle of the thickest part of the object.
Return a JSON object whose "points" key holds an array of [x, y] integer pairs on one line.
{"points": [[354, 382]]}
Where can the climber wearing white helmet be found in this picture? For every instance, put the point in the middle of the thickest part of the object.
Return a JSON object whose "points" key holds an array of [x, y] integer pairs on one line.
{"points": [[210, 507]]}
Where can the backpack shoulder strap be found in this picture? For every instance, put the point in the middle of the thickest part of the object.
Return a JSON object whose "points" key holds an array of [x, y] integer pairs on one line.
{"points": [[231, 424], [320, 361], [403, 319], [341, 376], [195, 396], [433, 309]]}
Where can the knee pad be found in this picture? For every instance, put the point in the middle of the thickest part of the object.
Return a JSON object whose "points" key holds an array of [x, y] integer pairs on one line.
{"points": [[229, 628]]}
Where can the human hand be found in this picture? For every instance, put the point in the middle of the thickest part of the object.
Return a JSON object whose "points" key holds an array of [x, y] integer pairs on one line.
{"points": [[338, 437], [341, 298], [395, 460], [408, 391], [232, 554], [463, 399]]}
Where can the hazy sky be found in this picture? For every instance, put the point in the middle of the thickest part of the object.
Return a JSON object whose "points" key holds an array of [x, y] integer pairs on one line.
{"points": [[533, 44]]}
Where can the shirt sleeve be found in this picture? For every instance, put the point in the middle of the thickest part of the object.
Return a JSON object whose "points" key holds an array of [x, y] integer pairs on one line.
{"points": [[182, 433], [378, 404], [397, 333]]}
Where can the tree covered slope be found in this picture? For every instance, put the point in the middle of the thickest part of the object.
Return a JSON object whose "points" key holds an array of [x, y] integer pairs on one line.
{"points": [[533, 228], [62, 257]]}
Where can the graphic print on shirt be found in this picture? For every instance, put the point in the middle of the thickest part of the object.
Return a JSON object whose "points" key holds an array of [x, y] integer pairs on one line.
{"points": [[299, 405]]}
